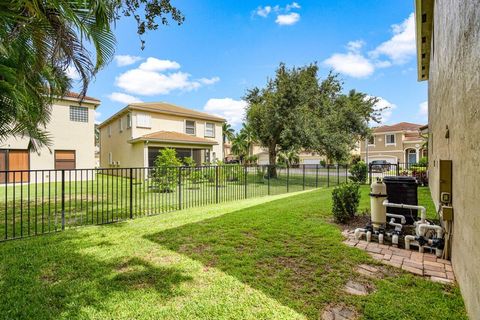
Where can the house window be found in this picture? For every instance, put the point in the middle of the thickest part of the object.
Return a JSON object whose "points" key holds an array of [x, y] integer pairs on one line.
{"points": [[389, 139], [210, 130], [120, 124], [371, 140], [143, 120], [65, 159], [129, 120], [189, 127], [78, 114]]}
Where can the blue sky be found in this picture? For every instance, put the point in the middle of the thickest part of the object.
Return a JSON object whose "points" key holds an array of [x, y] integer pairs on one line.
{"points": [[225, 47]]}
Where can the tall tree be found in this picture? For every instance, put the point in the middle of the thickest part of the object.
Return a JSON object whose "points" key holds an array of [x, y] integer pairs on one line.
{"points": [[297, 110], [228, 132], [41, 41]]}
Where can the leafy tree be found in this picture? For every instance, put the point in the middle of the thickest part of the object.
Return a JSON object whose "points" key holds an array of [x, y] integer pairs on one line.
{"points": [[166, 170], [42, 40], [289, 157], [228, 132], [297, 110]]}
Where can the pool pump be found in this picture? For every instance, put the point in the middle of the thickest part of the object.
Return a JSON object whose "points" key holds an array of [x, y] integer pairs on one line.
{"points": [[399, 227]]}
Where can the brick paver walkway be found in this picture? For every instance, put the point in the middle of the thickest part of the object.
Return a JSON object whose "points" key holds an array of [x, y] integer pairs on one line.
{"points": [[422, 264]]}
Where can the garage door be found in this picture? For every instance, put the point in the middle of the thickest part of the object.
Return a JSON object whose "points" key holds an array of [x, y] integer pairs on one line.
{"points": [[311, 161], [18, 160]]}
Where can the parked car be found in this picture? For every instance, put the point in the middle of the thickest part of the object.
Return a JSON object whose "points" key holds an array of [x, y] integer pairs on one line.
{"points": [[380, 165]]}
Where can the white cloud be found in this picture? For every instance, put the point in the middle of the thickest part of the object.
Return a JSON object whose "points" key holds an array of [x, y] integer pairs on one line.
{"points": [[123, 98], [263, 11], [154, 64], [387, 111], [126, 60], [352, 63], [72, 73], [401, 47], [97, 117], [151, 79], [208, 81], [423, 111], [397, 50], [287, 19], [293, 5], [228, 108]]}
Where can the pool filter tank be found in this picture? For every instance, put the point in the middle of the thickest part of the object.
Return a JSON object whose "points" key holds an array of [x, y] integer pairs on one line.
{"points": [[378, 193]]}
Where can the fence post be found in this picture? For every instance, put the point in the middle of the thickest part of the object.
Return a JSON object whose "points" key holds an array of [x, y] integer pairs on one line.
{"points": [[268, 178], [246, 172], [346, 172], [316, 175], [338, 174], [328, 175], [370, 173], [304, 177], [216, 184], [398, 168], [131, 193], [63, 199], [288, 178], [179, 188]]}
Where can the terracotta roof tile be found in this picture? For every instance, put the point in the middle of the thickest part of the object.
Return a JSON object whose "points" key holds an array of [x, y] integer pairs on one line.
{"points": [[77, 96], [170, 136], [163, 107], [401, 126]]}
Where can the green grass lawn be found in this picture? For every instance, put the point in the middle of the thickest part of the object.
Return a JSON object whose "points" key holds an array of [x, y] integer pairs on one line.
{"points": [[276, 257]]}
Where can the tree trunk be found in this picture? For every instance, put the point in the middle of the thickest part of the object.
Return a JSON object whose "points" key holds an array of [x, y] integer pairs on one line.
{"points": [[272, 160]]}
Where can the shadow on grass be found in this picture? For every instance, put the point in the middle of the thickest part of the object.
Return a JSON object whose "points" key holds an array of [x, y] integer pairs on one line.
{"points": [[51, 278], [284, 249]]}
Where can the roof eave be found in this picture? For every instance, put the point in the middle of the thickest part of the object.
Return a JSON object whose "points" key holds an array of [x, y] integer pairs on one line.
{"points": [[423, 33], [172, 141]]}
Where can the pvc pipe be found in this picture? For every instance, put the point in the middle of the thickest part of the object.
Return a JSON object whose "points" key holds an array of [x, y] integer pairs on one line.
{"points": [[380, 238], [423, 211], [403, 220], [408, 239], [398, 226], [438, 229], [359, 232], [395, 240], [369, 236]]}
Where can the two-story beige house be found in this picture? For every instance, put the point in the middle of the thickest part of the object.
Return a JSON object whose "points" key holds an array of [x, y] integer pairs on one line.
{"points": [[401, 142], [72, 135], [133, 136]]}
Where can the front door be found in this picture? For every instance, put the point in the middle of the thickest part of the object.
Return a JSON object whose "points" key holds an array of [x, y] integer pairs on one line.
{"points": [[412, 156], [18, 160]]}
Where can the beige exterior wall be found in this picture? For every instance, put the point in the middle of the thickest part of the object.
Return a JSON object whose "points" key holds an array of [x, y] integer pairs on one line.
{"points": [[128, 154], [390, 152], [65, 135], [453, 93]]}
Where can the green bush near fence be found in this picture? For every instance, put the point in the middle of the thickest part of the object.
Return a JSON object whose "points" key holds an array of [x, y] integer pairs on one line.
{"points": [[346, 198], [166, 170], [358, 172]]}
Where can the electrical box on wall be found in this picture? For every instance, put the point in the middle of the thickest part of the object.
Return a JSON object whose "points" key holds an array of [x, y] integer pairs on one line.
{"points": [[445, 183]]}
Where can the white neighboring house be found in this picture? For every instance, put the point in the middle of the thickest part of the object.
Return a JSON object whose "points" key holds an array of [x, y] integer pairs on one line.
{"points": [[71, 130]]}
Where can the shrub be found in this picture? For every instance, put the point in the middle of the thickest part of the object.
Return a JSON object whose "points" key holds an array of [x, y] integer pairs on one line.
{"points": [[346, 198], [166, 170], [189, 162], [423, 162], [323, 163], [354, 159], [358, 172]]}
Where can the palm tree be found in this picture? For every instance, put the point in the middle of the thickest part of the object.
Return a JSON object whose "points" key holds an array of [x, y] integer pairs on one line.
{"points": [[248, 135], [228, 132], [41, 40], [289, 156]]}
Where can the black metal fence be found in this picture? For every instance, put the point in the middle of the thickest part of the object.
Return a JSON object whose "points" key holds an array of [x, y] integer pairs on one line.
{"points": [[34, 202], [380, 170]]}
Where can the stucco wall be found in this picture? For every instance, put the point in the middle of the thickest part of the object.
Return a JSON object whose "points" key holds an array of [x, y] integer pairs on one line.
{"points": [[65, 135], [132, 154], [454, 92]]}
